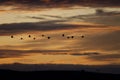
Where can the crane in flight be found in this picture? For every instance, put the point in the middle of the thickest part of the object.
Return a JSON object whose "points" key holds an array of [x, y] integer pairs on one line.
{"points": [[82, 36], [48, 37], [68, 37], [72, 37], [34, 38], [29, 36], [63, 35], [12, 36], [21, 38], [43, 35]]}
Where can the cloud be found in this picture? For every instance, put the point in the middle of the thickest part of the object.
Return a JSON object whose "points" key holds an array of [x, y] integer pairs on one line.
{"points": [[15, 28], [53, 25], [101, 16], [33, 4], [106, 42], [35, 17], [52, 16], [102, 12], [105, 18], [4, 53], [86, 54], [106, 57]]}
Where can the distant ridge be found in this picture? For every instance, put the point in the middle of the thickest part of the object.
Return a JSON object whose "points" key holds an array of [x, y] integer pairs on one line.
{"points": [[114, 69], [37, 75]]}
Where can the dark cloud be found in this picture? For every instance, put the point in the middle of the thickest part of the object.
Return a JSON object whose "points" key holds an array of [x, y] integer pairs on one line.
{"points": [[40, 18], [43, 17], [106, 13], [106, 57], [101, 16], [99, 12], [87, 54], [52, 16], [5, 53], [11, 53], [58, 3], [108, 18], [38, 26], [19, 53], [16, 28], [104, 17]]}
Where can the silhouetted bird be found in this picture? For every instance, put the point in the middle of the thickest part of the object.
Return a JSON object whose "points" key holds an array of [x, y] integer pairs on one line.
{"points": [[49, 37], [43, 35], [12, 36], [63, 35], [68, 37], [82, 36], [21, 38], [72, 36], [29, 36], [34, 38]]}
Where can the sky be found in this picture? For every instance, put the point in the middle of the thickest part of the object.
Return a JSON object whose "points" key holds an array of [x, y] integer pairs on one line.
{"points": [[96, 20]]}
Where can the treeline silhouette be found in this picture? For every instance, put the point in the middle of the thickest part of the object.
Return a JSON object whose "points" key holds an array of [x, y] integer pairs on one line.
{"points": [[54, 71], [38, 75]]}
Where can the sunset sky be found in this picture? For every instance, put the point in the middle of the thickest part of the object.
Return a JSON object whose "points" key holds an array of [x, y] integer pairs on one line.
{"points": [[97, 20]]}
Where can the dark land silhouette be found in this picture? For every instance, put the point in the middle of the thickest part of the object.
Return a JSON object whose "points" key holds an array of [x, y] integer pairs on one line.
{"points": [[52, 71], [37, 75]]}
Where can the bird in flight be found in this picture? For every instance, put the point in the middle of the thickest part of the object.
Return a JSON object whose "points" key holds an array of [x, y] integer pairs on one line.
{"points": [[68, 37], [43, 35], [82, 36], [63, 35], [72, 37], [29, 36], [49, 37], [12, 36], [34, 38], [21, 38]]}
